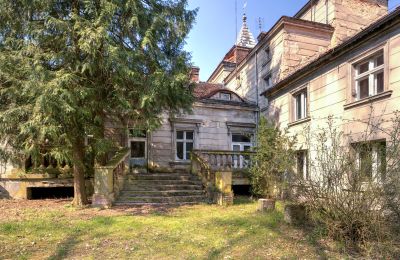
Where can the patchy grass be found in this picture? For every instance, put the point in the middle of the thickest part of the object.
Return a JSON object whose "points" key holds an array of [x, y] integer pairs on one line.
{"points": [[57, 231]]}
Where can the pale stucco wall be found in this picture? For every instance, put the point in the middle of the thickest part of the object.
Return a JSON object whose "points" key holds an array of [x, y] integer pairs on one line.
{"points": [[211, 133], [329, 91]]}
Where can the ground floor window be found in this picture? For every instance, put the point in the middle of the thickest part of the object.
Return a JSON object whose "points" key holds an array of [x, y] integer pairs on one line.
{"points": [[302, 164], [371, 160], [184, 144], [241, 143]]}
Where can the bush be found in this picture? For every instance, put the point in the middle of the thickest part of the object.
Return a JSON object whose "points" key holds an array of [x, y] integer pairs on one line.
{"points": [[350, 192], [274, 155]]}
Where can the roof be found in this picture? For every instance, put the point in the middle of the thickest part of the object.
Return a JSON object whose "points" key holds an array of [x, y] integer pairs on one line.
{"points": [[266, 36], [204, 89], [203, 92], [341, 49]]}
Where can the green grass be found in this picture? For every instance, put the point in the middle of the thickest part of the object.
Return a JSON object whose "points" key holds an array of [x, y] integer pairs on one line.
{"points": [[197, 232]]}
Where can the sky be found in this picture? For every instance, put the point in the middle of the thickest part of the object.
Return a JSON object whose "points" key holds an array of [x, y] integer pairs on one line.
{"points": [[214, 32]]}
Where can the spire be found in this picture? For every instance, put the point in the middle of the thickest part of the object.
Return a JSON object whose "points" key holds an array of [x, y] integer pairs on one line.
{"points": [[245, 38]]}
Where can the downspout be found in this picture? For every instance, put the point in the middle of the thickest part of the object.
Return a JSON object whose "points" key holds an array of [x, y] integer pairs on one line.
{"points": [[257, 100]]}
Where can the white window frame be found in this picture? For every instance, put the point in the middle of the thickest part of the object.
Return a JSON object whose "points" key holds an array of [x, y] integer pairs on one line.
{"points": [[228, 95], [375, 157], [241, 161], [303, 94], [371, 74], [304, 154], [137, 139], [184, 141]]}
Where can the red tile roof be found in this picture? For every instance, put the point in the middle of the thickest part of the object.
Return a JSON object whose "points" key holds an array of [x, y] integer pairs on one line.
{"points": [[205, 89]]}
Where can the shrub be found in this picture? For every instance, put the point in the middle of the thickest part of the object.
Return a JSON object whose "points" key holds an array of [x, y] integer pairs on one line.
{"points": [[274, 155]]}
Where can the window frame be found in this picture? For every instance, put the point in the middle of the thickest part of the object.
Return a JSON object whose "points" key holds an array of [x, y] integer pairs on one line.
{"points": [[302, 91], [377, 174], [227, 94], [305, 171], [137, 135], [351, 101], [371, 74], [184, 141]]}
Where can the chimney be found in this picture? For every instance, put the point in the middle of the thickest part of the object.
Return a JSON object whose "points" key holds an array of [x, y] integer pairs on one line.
{"points": [[195, 74]]}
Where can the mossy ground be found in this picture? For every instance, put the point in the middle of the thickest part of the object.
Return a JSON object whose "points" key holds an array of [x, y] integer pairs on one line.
{"points": [[193, 232]]}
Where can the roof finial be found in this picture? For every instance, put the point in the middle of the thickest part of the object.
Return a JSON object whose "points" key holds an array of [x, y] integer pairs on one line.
{"points": [[245, 38]]}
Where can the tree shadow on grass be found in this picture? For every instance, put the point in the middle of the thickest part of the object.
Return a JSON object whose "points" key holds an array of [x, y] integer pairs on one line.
{"points": [[272, 222], [64, 248]]}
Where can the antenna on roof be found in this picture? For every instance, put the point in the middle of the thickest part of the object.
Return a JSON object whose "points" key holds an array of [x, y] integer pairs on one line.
{"points": [[236, 20], [260, 23]]}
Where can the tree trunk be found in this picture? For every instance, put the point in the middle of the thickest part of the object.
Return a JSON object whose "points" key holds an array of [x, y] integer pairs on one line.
{"points": [[80, 197]]}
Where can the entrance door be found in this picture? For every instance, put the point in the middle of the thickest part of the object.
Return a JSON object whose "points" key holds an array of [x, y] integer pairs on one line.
{"points": [[241, 143], [138, 146]]}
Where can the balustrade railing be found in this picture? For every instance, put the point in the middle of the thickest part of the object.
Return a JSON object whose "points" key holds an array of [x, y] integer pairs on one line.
{"points": [[225, 160]]}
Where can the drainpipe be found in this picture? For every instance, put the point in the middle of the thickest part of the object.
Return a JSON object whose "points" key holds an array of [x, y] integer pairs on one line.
{"points": [[257, 100]]}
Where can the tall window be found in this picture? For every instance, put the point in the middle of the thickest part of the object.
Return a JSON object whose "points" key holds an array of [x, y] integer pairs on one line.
{"points": [[267, 54], [369, 76], [371, 158], [300, 102], [184, 144], [302, 165]]}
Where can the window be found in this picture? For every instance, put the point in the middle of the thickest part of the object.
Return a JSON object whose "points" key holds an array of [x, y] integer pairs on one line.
{"points": [[268, 81], [371, 160], [369, 76], [241, 143], [138, 149], [184, 144], [302, 164], [137, 143], [267, 57], [225, 96], [300, 105]]}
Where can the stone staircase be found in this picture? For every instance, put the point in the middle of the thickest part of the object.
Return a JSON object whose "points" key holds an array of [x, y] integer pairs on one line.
{"points": [[161, 189]]}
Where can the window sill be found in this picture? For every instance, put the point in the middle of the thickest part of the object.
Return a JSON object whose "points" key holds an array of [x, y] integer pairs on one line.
{"points": [[300, 121], [367, 100]]}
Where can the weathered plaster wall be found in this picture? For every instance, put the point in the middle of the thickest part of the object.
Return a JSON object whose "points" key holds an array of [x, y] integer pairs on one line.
{"points": [[329, 89], [211, 134]]}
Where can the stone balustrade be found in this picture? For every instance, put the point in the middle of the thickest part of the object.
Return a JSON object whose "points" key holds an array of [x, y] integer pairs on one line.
{"points": [[109, 179]]}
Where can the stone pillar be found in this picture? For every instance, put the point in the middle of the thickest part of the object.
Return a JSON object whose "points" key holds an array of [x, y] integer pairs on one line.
{"points": [[223, 181], [266, 205], [103, 187]]}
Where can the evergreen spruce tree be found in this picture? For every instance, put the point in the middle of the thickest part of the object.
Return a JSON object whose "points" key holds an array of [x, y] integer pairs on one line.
{"points": [[66, 67]]}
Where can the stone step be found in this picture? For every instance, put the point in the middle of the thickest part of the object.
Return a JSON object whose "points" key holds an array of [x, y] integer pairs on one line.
{"points": [[159, 177], [168, 193], [161, 182], [138, 188], [147, 204], [170, 199]]}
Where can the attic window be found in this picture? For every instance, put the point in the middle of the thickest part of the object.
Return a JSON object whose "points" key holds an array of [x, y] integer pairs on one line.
{"points": [[225, 96], [267, 57]]}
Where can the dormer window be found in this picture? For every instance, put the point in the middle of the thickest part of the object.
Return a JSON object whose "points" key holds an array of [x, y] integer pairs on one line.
{"points": [[225, 96]]}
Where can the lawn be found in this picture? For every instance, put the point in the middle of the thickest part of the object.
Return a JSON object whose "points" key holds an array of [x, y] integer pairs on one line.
{"points": [[54, 230]]}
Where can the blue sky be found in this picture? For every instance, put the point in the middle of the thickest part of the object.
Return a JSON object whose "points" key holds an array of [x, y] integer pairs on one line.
{"points": [[215, 31]]}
